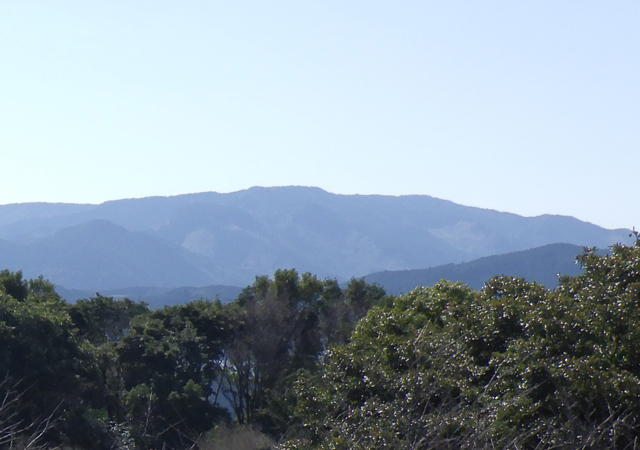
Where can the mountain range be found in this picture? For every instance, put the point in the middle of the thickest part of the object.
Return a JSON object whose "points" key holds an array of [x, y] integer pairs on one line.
{"points": [[211, 238], [543, 265]]}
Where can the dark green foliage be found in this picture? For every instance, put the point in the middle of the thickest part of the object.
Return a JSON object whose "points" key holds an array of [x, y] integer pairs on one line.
{"points": [[106, 373], [103, 319], [119, 374], [11, 283], [169, 365], [278, 335], [41, 355]]}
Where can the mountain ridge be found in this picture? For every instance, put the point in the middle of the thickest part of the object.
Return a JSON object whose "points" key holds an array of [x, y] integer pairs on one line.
{"points": [[543, 265], [228, 239]]}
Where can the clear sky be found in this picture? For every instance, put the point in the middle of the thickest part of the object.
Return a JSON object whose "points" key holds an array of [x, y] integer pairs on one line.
{"points": [[530, 107]]}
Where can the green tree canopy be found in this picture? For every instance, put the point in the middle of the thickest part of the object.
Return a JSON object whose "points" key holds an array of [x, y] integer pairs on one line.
{"points": [[169, 364], [512, 366]]}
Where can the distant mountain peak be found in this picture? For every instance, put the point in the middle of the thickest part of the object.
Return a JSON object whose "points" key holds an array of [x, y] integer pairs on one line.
{"points": [[216, 238]]}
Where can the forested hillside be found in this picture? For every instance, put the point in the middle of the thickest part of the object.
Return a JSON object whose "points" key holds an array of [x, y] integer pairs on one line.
{"points": [[297, 362], [226, 239]]}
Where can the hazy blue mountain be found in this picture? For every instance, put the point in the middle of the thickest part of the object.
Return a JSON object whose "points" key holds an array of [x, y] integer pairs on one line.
{"points": [[157, 297], [99, 255], [18, 212], [542, 265], [227, 239]]}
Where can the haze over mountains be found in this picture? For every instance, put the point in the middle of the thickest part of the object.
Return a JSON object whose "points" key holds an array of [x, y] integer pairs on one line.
{"points": [[227, 239]]}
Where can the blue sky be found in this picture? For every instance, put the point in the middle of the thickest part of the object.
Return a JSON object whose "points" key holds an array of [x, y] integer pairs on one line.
{"points": [[526, 107]]}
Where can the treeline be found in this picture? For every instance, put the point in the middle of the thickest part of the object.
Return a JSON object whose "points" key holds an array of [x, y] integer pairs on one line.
{"points": [[301, 363]]}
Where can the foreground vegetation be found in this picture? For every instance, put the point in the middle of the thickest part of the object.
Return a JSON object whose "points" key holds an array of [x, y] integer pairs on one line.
{"points": [[301, 363]]}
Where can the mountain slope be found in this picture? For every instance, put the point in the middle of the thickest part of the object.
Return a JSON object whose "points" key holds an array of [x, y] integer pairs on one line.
{"points": [[99, 254], [542, 265], [227, 239]]}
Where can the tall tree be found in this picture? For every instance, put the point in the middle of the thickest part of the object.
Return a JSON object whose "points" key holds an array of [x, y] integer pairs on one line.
{"points": [[285, 324], [170, 367]]}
